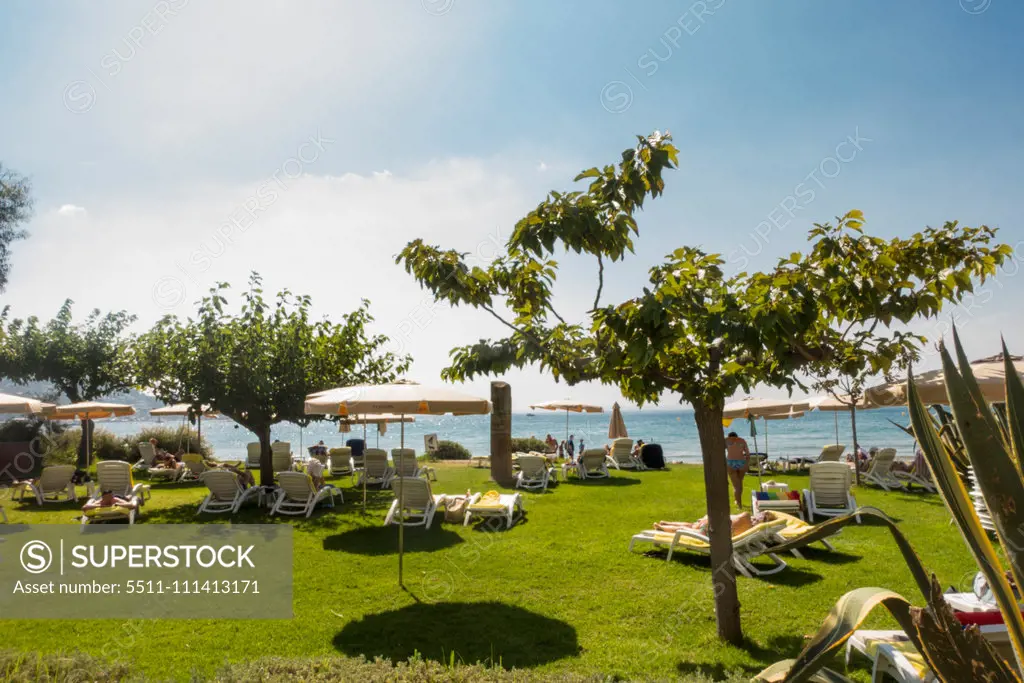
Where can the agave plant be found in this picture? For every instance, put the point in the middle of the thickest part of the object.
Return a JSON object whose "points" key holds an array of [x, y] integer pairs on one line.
{"points": [[994, 445]]}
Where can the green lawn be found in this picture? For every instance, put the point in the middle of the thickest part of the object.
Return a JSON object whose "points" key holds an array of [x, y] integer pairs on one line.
{"points": [[559, 593]]}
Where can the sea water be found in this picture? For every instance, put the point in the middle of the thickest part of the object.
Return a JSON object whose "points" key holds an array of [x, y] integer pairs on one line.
{"points": [[674, 430]]}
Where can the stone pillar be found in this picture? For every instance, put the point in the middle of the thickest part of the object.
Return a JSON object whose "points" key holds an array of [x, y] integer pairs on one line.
{"points": [[501, 433]]}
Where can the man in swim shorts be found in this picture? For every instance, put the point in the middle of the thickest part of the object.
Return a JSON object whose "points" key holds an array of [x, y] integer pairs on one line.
{"points": [[736, 458]]}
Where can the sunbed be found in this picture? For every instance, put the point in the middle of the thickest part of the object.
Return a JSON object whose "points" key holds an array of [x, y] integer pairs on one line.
{"points": [[281, 456], [621, 456], [752, 543], [114, 513], [507, 507], [195, 466], [376, 470], [406, 464], [147, 454], [226, 492], [880, 473], [829, 493], [252, 459], [893, 655], [592, 465], [297, 495], [534, 472], [339, 462], [918, 474], [829, 453], [419, 503], [53, 485], [116, 476]]}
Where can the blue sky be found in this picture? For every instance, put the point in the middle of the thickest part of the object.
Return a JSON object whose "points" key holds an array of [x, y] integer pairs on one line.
{"points": [[146, 125]]}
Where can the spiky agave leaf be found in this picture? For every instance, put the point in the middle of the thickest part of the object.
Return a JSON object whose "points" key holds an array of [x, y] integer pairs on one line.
{"points": [[986, 450]]}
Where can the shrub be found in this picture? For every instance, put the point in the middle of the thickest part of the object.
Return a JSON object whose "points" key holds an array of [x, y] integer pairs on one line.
{"points": [[21, 430], [526, 444], [451, 450], [171, 439]]}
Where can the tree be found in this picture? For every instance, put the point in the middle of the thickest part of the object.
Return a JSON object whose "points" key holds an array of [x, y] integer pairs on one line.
{"points": [[257, 366], [83, 362], [15, 209], [694, 332]]}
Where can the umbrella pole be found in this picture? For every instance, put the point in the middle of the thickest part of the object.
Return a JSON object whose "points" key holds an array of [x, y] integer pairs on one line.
{"points": [[765, 453], [401, 508], [567, 427], [199, 431], [835, 414]]}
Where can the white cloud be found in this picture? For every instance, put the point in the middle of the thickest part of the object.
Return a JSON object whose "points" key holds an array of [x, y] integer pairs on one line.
{"points": [[71, 210]]}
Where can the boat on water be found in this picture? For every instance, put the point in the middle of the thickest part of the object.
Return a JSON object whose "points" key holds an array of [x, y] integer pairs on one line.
{"points": [[530, 415]]}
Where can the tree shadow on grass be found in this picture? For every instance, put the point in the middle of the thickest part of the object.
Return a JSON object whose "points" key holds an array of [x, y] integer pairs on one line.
{"points": [[833, 557], [776, 649], [610, 481], [492, 633], [383, 540]]}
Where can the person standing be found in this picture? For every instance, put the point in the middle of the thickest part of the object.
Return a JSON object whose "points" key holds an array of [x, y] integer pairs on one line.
{"points": [[737, 455], [570, 448]]}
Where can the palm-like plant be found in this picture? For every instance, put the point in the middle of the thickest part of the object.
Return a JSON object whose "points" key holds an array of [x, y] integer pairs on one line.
{"points": [[994, 444]]}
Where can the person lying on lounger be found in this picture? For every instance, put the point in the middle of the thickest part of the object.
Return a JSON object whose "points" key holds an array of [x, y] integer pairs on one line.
{"points": [[740, 523], [109, 500], [315, 470], [245, 477]]}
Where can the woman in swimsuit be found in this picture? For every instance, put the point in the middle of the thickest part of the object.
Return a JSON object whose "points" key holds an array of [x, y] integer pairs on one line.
{"points": [[736, 454]]}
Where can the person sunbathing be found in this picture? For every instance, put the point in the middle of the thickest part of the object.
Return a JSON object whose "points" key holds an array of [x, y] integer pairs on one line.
{"points": [[109, 500], [245, 477], [740, 523], [315, 470]]}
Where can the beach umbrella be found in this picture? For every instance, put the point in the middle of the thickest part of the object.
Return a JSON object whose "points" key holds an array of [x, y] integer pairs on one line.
{"points": [[184, 409], [87, 411], [617, 426], [399, 398], [18, 405], [931, 386], [569, 406]]}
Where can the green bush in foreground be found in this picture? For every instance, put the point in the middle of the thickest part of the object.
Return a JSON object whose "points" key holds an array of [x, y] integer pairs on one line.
{"points": [[77, 667], [451, 450], [526, 444]]}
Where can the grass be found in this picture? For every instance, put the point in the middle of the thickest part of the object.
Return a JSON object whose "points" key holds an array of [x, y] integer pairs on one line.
{"points": [[558, 595]]}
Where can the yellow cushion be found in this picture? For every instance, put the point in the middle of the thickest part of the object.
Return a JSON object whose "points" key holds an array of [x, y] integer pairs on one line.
{"points": [[489, 501], [905, 647], [111, 511]]}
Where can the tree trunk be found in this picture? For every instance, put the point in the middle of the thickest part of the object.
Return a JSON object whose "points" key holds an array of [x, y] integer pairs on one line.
{"points": [[716, 484], [856, 455], [85, 445], [266, 456], [501, 433]]}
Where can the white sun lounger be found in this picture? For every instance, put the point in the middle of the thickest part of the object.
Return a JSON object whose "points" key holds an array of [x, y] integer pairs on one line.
{"points": [[281, 456], [252, 455], [226, 492], [53, 485], [621, 456], [339, 462], [534, 472], [752, 543], [297, 495], [507, 507], [116, 476], [880, 472], [147, 454], [376, 470], [592, 465], [829, 493], [406, 464], [418, 501]]}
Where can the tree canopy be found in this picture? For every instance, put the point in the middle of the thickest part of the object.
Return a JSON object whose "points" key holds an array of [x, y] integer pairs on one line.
{"points": [[257, 366], [15, 209], [695, 331], [83, 361]]}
